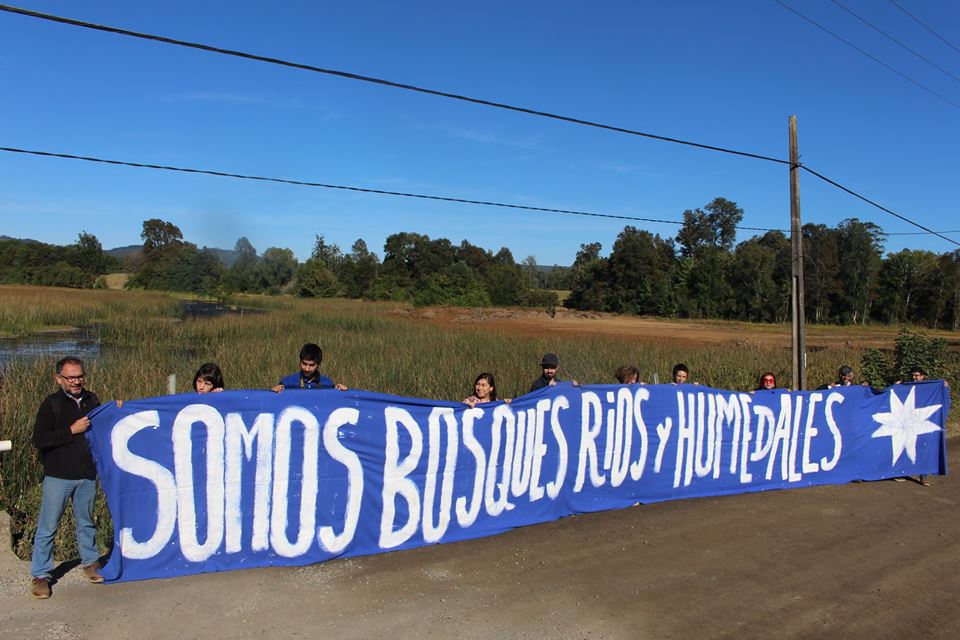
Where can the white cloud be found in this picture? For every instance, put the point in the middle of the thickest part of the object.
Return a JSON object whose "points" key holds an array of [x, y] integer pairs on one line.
{"points": [[254, 99], [623, 168], [528, 143]]}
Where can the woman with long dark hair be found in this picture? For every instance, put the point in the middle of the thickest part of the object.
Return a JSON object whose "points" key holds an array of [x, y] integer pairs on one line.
{"points": [[484, 390], [208, 379]]}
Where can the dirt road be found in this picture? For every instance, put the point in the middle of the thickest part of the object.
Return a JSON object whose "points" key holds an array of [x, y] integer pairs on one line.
{"points": [[867, 560]]}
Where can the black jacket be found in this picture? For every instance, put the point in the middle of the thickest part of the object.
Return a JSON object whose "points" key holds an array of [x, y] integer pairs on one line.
{"points": [[65, 455], [541, 382]]}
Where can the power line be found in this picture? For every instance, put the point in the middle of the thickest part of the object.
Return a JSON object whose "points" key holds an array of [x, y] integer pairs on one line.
{"points": [[480, 101], [917, 233], [918, 21], [506, 205], [303, 183], [869, 55], [383, 82], [892, 39], [878, 206]]}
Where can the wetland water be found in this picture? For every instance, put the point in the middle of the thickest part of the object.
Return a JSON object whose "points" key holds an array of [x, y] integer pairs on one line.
{"points": [[82, 343]]}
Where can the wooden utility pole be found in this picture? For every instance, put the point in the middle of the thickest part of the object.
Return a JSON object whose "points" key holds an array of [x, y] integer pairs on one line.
{"points": [[797, 335]]}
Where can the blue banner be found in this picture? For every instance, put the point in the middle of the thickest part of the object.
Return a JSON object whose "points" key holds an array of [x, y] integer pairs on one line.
{"points": [[243, 479]]}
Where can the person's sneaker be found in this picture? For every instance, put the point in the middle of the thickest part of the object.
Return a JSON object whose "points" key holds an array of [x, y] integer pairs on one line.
{"points": [[40, 588], [92, 572]]}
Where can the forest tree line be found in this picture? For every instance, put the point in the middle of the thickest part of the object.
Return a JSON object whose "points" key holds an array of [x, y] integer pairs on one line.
{"points": [[699, 273]]}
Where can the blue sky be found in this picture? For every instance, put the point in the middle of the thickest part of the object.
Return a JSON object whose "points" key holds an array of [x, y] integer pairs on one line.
{"points": [[721, 73]]}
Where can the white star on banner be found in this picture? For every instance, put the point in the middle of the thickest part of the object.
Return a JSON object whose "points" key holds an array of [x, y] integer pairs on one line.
{"points": [[903, 423]]}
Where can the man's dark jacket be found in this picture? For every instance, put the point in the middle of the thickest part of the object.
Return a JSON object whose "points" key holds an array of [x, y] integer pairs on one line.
{"points": [[541, 382], [65, 455]]}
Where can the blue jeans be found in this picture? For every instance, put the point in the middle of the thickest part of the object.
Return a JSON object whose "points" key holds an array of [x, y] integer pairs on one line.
{"points": [[56, 491]]}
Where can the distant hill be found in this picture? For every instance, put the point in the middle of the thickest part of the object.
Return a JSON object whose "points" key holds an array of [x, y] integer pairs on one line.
{"points": [[5, 238], [122, 252]]}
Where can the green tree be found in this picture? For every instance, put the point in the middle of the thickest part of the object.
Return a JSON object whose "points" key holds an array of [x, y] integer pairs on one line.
{"points": [[782, 274], [860, 247], [532, 272], [588, 283], [477, 258], [315, 280], [639, 269], [276, 269], [917, 349], [88, 255], [358, 270], [713, 226], [949, 274], [242, 275], [709, 294], [159, 257], [908, 286], [752, 268], [821, 272], [159, 235], [317, 277], [559, 278], [506, 284]]}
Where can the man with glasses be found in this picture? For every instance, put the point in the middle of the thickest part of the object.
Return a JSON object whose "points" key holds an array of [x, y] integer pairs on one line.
{"points": [[68, 473]]}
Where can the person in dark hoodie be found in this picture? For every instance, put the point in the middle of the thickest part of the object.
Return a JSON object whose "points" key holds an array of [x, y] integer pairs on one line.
{"points": [[68, 473]]}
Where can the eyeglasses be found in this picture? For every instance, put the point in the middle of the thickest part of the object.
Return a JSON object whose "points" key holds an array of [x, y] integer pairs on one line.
{"points": [[769, 380], [73, 378]]}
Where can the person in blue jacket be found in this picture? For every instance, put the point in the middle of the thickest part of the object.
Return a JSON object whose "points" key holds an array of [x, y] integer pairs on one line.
{"points": [[309, 376]]}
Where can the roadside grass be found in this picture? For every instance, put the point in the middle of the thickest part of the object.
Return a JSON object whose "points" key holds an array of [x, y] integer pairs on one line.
{"points": [[366, 345]]}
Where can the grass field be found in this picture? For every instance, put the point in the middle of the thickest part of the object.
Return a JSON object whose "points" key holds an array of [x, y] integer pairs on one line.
{"points": [[387, 347]]}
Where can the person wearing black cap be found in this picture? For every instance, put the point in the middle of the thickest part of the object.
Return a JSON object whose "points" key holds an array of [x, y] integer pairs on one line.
{"points": [[550, 363]]}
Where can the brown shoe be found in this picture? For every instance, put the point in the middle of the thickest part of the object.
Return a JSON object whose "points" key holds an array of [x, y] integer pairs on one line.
{"points": [[92, 573], [40, 588]]}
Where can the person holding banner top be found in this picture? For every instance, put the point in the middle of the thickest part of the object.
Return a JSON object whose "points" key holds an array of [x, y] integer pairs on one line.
{"points": [[309, 377], [628, 374], [68, 474], [918, 374], [844, 379], [484, 390], [550, 364], [681, 374], [768, 382], [208, 379]]}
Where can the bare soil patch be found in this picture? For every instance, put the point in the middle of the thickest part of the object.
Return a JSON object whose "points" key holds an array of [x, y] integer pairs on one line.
{"points": [[529, 322]]}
